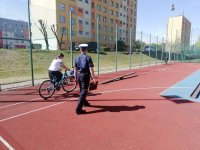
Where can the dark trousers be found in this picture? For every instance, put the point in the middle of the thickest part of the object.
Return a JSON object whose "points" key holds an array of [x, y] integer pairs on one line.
{"points": [[83, 80], [56, 74]]}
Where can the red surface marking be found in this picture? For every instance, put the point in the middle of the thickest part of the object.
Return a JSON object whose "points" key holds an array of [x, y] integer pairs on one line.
{"points": [[129, 119]]}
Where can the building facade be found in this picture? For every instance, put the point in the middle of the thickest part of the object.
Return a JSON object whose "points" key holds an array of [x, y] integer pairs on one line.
{"points": [[178, 31], [84, 19], [13, 34]]}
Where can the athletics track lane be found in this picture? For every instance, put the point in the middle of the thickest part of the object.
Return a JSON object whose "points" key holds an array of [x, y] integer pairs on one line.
{"points": [[127, 114]]}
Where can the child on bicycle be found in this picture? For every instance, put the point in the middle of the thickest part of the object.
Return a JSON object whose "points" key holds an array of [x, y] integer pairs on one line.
{"points": [[56, 66]]}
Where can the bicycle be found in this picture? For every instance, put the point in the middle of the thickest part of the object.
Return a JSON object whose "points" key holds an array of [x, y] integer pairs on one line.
{"points": [[48, 87]]}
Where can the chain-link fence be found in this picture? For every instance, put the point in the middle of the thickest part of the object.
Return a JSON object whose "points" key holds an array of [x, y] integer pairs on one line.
{"points": [[25, 58]]}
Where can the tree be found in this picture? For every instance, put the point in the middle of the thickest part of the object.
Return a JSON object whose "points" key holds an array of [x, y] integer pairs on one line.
{"points": [[137, 45], [54, 29], [121, 46], [43, 29], [197, 44]]}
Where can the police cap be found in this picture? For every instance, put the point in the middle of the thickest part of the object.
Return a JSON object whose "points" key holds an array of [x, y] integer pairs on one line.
{"points": [[83, 45]]}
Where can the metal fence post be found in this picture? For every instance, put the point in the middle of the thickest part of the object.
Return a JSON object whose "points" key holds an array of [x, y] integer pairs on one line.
{"points": [[71, 49], [130, 53], [162, 49], [30, 39], [141, 51], [150, 51], [98, 45], [157, 50], [116, 47]]}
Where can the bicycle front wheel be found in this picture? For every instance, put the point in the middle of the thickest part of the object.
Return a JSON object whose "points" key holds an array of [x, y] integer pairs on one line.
{"points": [[46, 89], [69, 84]]}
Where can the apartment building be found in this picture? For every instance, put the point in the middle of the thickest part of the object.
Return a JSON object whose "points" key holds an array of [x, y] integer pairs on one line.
{"points": [[84, 19], [178, 31], [13, 33]]}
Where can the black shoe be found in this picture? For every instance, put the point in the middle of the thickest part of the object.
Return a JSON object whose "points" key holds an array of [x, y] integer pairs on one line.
{"points": [[87, 104], [78, 112]]}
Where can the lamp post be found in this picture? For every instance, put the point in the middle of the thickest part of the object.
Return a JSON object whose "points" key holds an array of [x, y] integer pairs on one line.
{"points": [[172, 9]]}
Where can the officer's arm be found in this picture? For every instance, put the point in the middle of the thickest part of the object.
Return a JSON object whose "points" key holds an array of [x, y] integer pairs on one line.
{"points": [[91, 65], [75, 72], [92, 73]]}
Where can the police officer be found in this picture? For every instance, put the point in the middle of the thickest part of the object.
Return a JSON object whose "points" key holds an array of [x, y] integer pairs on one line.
{"points": [[83, 72]]}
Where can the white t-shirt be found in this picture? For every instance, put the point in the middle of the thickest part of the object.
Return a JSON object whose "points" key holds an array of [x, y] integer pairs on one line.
{"points": [[56, 64]]}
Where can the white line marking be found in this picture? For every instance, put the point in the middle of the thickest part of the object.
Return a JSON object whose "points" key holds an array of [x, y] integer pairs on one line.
{"points": [[6, 144], [16, 116], [25, 101], [19, 103], [103, 92], [140, 89]]}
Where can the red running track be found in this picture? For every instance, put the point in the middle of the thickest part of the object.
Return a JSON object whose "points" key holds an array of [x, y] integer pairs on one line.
{"points": [[127, 114]]}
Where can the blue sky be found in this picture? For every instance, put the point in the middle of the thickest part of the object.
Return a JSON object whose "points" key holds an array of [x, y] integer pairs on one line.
{"points": [[151, 18], [14, 9], [153, 15]]}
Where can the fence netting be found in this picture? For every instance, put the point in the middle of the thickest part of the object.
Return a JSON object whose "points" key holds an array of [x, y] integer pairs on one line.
{"points": [[130, 49]]}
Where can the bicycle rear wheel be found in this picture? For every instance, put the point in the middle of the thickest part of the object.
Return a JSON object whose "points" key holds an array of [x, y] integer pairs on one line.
{"points": [[46, 89], [69, 84]]}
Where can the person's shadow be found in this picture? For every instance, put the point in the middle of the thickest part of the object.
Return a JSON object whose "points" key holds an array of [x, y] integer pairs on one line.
{"points": [[115, 108]]}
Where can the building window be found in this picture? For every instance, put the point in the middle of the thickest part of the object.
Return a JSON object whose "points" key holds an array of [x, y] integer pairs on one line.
{"points": [[111, 21], [105, 37], [62, 19], [117, 14], [117, 5], [80, 22], [86, 22], [93, 26], [104, 28], [111, 12], [61, 6], [111, 29], [104, 1], [93, 35], [80, 10], [73, 33], [80, 32], [87, 1], [87, 33], [98, 7], [63, 31], [104, 10], [104, 19], [111, 38], [111, 3], [87, 12], [93, 6], [92, 16]]}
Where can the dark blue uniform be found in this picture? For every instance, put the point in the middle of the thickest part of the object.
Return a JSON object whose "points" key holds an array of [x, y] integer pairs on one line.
{"points": [[83, 63]]}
